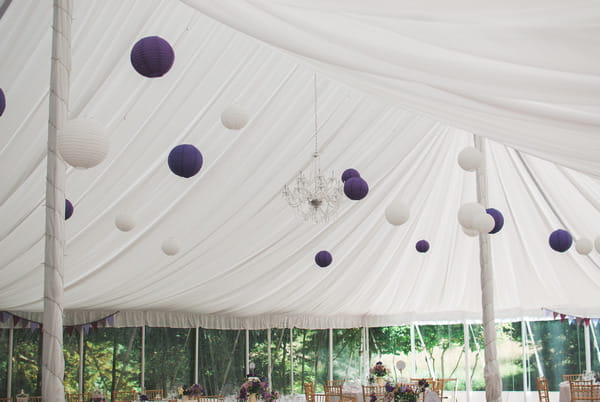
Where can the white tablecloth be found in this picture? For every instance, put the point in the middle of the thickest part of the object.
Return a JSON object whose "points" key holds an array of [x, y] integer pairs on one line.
{"points": [[564, 394]]}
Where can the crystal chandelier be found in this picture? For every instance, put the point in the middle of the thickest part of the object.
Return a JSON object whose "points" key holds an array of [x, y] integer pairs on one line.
{"points": [[315, 197]]}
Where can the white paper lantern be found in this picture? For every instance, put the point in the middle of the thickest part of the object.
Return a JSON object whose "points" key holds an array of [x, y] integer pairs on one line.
{"points": [[468, 212], [83, 143], [234, 117], [597, 244], [397, 212], [484, 223], [124, 222], [470, 159], [470, 232], [400, 365], [170, 246], [584, 246]]}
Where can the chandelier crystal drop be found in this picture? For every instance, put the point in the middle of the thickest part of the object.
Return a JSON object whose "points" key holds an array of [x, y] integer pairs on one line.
{"points": [[315, 197]]}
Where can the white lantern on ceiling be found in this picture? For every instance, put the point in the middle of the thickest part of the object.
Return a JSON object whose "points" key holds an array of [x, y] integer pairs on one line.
{"points": [[470, 159], [584, 246], [484, 223], [597, 244], [83, 143], [468, 212], [124, 222], [234, 117], [170, 246], [470, 232], [397, 213]]}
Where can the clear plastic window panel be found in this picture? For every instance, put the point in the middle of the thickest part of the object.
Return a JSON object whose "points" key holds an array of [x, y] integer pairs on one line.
{"points": [[347, 355], [27, 359], [311, 358], [72, 359], [221, 360], [281, 362], [169, 358]]}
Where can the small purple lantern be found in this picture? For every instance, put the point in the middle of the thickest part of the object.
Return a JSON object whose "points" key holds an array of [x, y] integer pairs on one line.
{"points": [[349, 173], [356, 188], [185, 160], [498, 219], [560, 240], [152, 56], [323, 258], [68, 209], [422, 246], [2, 102]]}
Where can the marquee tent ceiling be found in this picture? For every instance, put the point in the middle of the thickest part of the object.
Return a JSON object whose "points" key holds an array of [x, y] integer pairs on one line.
{"points": [[401, 91]]}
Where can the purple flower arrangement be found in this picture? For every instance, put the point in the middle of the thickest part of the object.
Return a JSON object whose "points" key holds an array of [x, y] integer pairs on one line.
{"points": [[143, 397], [402, 392], [258, 387], [194, 390]]}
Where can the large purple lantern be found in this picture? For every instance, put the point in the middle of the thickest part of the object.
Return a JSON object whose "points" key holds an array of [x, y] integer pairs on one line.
{"points": [[560, 240], [68, 209], [422, 246], [152, 56], [356, 188], [185, 160], [323, 258], [349, 173], [2, 102], [498, 219]]}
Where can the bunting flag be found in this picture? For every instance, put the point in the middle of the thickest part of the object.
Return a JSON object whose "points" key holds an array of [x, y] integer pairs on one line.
{"points": [[111, 319], [86, 328], [554, 314], [595, 321], [95, 324], [70, 329], [571, 320], [34, 326], [579, 319], [5, 316], [562, 317], [16, 320], [587, 322]]}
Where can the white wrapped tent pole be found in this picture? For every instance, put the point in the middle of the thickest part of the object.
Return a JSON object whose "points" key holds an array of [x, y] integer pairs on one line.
{"points": [[53, 365], [493, 380]]}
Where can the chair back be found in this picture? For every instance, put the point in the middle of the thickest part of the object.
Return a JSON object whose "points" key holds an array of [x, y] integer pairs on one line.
{"points": [[584, 391], [571, 377], [124, 396], [335, 382], [317, 397], [309, 389], [542, 387], [211, 398], [440, 385], [75, 397], [153, 394], [372, 393]]}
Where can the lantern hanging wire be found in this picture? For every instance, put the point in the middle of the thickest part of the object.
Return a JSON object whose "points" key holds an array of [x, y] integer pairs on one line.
{"points": [[314, 197]]}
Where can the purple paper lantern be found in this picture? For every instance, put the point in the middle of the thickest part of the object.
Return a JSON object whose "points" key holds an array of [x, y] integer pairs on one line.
{"points": [[422, 246], [323, 258], [2, 102], [560, 240], [498, 219], [356, 188], [152, 56], [68, 209], [349, 173], [185, 160]]}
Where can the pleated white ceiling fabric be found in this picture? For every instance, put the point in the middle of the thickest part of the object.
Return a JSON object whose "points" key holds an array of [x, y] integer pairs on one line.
{"points": [[246, 260]]}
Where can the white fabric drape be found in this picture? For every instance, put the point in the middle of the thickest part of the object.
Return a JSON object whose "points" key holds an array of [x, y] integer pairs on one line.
{"points": [[53, 364], [519, 73], [246, 260]]}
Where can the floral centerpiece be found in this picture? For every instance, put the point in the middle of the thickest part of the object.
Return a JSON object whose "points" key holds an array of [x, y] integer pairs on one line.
{"points": [[379, 372], [404, 392], [254, 388], [192, 392]]}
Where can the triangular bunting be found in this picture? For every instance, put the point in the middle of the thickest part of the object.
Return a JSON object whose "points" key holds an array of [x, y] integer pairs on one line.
{"points": [[15, 320], [579, 320], [86, 328], [555, 314], [562, 317], [70, 329], [95, 325], [5, 316], [111, 319], [587, 322]]}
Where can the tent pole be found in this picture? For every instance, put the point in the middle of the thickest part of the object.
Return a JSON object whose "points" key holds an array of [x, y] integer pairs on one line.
{"points": [[81, 360], [467, 347], [247, 353], [330, 354], [53, 363], [493, 380], [10, 360], [524, 346], [270, 365], [588, 352], [413, 351], [292, 360], [143, 359], [196, 350]]}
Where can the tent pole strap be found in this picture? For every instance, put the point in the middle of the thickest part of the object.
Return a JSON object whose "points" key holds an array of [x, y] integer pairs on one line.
{"points": [[53, 364], [493, 380]]}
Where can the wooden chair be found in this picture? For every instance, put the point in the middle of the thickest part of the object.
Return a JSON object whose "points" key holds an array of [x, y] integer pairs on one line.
{"points": [[439, 386], [542, 387], [335, 382], [211, 398], [153, 394], [34, 399], [335, 393], [571, 377], [370, 391], [74, 397], [317, 397], [584, 391], [124, 396], [309, 389], [6, 399]]}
